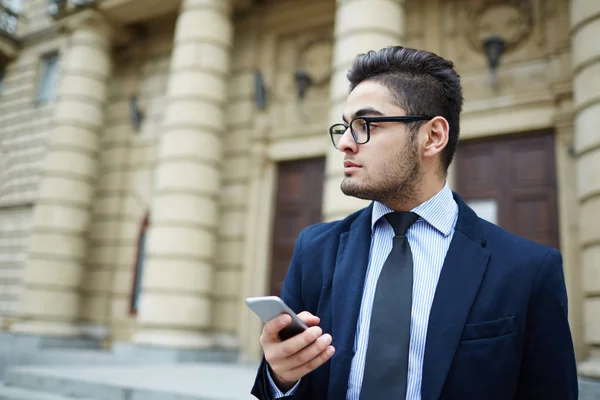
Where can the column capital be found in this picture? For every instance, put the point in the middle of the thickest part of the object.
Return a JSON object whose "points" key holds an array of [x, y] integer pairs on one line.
{"points": [[339, 3], [95, 21], [590, 368], [225, 6]]}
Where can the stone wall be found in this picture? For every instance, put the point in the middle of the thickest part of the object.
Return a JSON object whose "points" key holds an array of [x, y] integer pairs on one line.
{"points": [[24, 126], [534, 71]]}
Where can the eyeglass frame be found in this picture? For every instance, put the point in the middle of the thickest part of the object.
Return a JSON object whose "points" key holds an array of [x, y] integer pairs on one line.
{"points": [[369, 120]]}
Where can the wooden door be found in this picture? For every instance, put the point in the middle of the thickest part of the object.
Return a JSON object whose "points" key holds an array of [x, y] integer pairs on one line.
{"points": [[298, 204], [512, 182]]}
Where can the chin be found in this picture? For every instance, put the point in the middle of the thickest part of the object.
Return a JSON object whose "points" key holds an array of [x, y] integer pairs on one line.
{"points": [[354, 189]]}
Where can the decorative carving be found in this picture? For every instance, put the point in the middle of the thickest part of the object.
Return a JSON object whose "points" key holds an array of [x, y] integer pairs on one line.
{"points": [[306, 55], [511, 19], [315, 59]]}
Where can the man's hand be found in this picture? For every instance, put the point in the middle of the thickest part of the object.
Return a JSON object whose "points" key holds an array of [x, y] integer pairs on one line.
{"points": [[291, 359]]}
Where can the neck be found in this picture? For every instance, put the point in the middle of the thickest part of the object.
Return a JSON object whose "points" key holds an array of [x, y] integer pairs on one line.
{"points": [[426, 189]]}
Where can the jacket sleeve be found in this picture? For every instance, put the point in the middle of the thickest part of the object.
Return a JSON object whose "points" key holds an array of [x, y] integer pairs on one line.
{"points": [[262, 390], [292, 296], [548, 368]]}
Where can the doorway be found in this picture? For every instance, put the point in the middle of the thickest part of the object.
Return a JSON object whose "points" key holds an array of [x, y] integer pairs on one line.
{"points": [[511, 181], [298, 203]]}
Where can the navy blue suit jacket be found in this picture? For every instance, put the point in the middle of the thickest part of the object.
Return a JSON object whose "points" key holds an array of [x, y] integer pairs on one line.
{"points": [[498, 327]]}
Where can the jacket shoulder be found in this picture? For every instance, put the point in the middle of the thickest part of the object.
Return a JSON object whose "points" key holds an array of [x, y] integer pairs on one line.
{"points": [[317, 232], [499, 239]]}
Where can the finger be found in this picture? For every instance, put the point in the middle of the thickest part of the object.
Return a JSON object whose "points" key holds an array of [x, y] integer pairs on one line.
{"points": [[276, 354], [307, 354], [308, 318], [272, 328], [313, 364], [293, 345]]}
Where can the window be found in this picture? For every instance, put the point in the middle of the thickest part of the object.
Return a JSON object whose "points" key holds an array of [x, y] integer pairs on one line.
{"points": [[48, 71], [14, 5], [9, 12], [139, 266], [2, 74]]}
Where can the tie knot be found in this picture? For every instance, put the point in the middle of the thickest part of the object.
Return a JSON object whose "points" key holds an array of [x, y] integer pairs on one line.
{"points": [[401, 221]]}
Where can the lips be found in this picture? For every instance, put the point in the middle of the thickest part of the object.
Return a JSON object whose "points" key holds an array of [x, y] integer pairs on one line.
{"points": [[350, 164]]}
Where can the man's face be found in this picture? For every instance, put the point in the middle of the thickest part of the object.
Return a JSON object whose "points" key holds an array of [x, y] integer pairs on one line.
{"points": [[387, 168]]}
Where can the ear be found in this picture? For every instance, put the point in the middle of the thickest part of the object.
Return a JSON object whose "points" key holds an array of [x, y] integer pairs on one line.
{"points": [[437, 137]]}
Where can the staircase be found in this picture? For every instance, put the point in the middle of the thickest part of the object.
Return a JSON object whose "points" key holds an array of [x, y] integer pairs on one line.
{"points": [[55, 369], [205, 381]]}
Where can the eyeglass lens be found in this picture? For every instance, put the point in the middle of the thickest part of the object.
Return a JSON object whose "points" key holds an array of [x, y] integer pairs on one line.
{"points": [[358, 128]]}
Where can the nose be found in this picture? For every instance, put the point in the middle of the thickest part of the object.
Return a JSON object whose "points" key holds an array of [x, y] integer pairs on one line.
{"points": [[347, 143]]}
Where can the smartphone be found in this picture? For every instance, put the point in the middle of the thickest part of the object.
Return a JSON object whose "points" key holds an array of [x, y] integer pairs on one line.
{"points": [[269, 307]]}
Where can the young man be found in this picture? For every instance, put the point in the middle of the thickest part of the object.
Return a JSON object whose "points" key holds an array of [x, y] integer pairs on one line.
{"points": [[415, 297]]}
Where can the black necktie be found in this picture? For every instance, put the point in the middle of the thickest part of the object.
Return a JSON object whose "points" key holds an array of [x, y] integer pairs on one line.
{"points": [[386, 365]]}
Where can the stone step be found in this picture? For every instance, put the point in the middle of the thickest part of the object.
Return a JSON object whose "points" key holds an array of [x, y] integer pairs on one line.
{"points": [[49, 357], [97, 357], [14, 393], [201, 381], [22, 342], [589, 389]]}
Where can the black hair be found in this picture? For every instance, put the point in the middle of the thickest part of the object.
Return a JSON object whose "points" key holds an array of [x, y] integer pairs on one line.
{"points": [[421, 82]]}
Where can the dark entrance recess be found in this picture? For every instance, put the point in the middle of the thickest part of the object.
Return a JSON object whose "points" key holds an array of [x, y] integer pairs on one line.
{"points": [[512, 181], [298, 203]]}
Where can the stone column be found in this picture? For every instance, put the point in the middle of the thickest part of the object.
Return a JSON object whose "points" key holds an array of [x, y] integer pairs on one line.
{"points": [[50, 300], [585, 31], [175, 301], [568, 220], [360, 25]]}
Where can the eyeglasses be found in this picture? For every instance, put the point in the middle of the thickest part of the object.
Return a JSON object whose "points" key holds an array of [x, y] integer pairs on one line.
{"points": [[360, 127]]}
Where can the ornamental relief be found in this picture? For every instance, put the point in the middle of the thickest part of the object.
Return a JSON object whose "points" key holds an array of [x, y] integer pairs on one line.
{"points": [[511, 19], [467, 23], [309, 53], [535, 32]]}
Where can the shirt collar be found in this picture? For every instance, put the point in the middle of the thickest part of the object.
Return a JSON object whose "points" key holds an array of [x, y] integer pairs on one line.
{"points": [[440, 211]]}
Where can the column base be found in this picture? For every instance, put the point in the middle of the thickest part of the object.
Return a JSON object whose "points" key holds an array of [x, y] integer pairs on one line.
{"points": [[24, 347], [43, 334], [59, 329], [590, 368], [163, 345], [589, 381], [172, 339], [20, 342]]}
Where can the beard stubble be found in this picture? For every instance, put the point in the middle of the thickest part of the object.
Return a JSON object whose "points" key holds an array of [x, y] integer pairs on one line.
{"points": [[396, 182]]}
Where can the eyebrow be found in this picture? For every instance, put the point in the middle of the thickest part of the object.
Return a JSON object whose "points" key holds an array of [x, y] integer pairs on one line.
{"points": [[363, 112]]}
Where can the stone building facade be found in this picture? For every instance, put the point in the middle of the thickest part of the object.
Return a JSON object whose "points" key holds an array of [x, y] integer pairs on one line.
{"points": [[158, 157]]}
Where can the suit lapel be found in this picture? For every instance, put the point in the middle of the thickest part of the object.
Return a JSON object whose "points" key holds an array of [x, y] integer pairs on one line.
{"points": [[461, 276], [348, 281]]}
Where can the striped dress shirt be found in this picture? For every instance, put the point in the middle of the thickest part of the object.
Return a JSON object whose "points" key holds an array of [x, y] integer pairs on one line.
{"points": [[429, 238]]}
